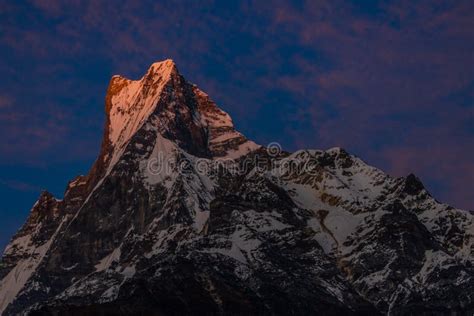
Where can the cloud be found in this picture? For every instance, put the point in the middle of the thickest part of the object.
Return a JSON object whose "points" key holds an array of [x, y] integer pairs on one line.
{"points": [[27, 134], [395, 90], [19, 185], [5, 101]]}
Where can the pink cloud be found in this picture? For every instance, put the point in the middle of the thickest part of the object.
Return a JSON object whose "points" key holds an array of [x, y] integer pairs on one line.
{"points": [[19, 185], [5, 101]]}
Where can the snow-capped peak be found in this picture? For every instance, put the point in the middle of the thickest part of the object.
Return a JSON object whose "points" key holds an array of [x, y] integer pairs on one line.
{"points": [[158, 212], [186, 112], [129, 103], [162, 67], [132, 101]]}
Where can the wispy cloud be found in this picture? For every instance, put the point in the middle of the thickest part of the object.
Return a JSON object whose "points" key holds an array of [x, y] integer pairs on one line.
{"points": [[19, 185]]}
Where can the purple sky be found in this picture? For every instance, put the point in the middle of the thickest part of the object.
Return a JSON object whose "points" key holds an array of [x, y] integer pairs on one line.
{"points": [[391, 82]]}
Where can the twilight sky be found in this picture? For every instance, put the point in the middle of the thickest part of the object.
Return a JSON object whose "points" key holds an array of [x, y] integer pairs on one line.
{"points": [[390, 82]]}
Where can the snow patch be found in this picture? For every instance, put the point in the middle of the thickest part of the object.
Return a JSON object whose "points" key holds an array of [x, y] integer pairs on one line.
{"points": [[242, 150], [105, 263], [134, 103], [16, 279]]}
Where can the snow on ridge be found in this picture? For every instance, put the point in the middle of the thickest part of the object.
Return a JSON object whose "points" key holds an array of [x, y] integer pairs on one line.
{"points": [[158, 168], [163, 168], [16, 279], [131, 106], [332, 229], [242, 150], [22, 243], [135, 101], [225, 137], [105, 262], [221, 128], [166, 65]]}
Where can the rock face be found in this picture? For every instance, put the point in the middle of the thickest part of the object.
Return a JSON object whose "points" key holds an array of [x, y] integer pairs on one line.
{"points": [[181, 214]]}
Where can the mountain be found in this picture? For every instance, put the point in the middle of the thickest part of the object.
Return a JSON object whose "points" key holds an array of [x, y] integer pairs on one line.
{"points": [[181, 214]]}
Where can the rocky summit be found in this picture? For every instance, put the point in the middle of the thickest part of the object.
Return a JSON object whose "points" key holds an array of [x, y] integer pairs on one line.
{"points": [[182, 214]]}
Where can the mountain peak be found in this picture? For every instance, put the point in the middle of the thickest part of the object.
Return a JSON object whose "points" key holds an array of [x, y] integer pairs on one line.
{"points": [[159, 219], [167, 65], [160, 71], [130, 102], [162, 100], [185, 113], [162, 68]]}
